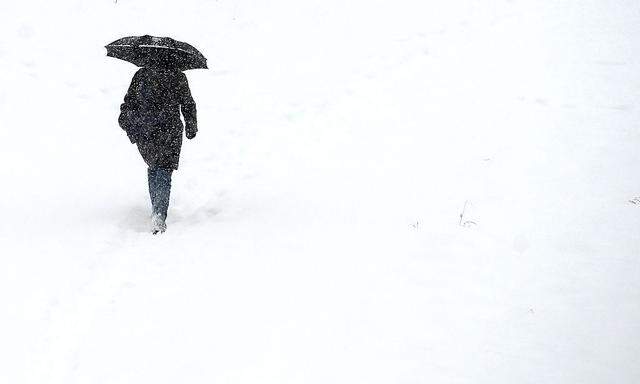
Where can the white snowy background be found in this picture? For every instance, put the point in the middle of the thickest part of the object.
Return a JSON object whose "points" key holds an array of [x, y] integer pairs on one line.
{"points": [[314, 230]]}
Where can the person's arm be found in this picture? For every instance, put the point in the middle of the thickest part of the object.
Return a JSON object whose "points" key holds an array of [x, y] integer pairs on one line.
{"points": [[129, 107], [188, 107]]}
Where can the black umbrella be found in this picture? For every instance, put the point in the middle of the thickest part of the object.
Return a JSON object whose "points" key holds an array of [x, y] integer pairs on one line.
{"points": [[157, 52]]}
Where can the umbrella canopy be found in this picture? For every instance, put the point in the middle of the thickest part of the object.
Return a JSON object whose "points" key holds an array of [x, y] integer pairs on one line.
{"points": [[157, 52]]}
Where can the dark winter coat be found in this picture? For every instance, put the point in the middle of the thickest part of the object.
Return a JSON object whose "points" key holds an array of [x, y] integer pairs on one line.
{"points": [[150, 115]]}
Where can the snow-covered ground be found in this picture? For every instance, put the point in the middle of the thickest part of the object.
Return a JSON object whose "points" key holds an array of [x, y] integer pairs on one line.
{"points": [[314, 230]]}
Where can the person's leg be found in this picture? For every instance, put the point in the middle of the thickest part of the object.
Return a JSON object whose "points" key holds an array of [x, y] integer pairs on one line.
{"points": [[156, 193], [153, 188], [159, 191], [164, 191]]}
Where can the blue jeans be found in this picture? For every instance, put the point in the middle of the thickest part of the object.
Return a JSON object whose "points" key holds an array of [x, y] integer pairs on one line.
{"points": [[159, 190]]}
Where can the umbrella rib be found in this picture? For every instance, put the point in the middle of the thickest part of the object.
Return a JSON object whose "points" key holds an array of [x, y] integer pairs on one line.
{"points": [[150, 46]]}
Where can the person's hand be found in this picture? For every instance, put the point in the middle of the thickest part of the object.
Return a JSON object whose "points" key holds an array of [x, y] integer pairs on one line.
{"points": [[191, 134]]}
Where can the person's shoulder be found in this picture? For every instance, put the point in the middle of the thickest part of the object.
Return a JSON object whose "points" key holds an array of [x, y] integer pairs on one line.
{"points": [[181, 77], [142, 72]]}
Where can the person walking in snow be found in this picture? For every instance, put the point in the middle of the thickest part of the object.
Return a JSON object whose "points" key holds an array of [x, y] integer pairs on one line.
{"points": [[151, 110], [150, 115]]}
